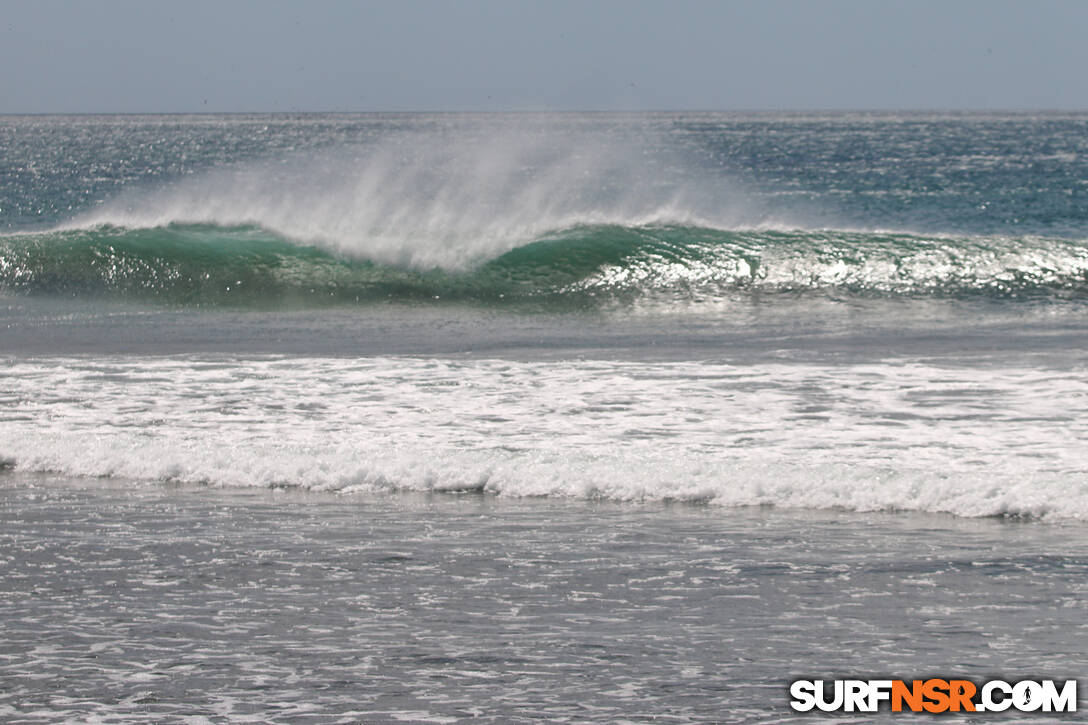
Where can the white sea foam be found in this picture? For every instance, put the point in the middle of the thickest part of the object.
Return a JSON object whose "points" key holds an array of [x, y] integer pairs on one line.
{"points": [[902, 435]]}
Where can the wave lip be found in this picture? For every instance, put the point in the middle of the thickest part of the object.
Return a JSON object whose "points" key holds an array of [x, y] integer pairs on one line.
{"points": [[447, 201], [584, 265]]}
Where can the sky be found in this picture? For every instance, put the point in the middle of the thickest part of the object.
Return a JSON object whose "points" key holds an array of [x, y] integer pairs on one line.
{"points": [[131, 56]]}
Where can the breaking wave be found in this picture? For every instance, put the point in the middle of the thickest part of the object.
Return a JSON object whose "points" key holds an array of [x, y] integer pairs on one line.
{"points": [[587, 264], [496, 217]]}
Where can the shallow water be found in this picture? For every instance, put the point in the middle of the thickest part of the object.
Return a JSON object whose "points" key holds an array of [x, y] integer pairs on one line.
{"points": [[124, 601]]}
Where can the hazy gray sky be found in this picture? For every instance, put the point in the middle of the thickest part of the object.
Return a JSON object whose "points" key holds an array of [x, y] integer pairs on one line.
{"points": [[223, 55]]}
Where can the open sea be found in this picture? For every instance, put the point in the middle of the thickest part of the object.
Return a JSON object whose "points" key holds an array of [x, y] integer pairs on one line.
{"points": [[439, 418]]}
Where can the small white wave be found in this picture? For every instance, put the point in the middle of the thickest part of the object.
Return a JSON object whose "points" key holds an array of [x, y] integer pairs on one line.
{"points": [[637, 474], [898, 436]]}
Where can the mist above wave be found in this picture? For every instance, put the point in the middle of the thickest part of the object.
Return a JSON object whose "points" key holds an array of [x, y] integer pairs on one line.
{"points": [[444, 200]]}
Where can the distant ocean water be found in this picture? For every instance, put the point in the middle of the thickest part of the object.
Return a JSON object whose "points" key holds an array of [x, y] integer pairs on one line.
{"points": [[854, 316]]}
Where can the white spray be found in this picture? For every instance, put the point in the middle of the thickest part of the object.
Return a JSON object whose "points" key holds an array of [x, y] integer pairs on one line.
{"points": [[450, 199]]}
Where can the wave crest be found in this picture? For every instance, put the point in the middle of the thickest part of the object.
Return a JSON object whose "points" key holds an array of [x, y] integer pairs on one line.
{"points": [[440, 200], [582, 265]]}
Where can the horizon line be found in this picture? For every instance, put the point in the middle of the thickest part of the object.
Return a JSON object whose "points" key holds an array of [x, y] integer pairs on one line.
{"points": [[493, 112]]}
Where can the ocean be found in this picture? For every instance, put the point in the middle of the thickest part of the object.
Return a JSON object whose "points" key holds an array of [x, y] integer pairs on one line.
{"points": [[575, 417]]}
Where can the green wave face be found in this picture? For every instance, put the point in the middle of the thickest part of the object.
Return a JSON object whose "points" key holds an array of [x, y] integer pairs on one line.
{"points": [[583, 266]]}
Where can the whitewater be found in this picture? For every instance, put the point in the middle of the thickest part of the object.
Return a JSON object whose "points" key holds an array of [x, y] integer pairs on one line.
{"points": [[922, 437], [574, 417]]}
